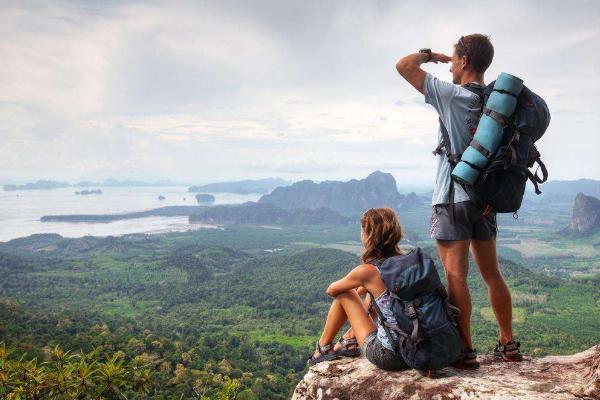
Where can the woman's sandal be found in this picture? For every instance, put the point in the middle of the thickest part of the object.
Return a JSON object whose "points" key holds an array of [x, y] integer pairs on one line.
{"points": [[467, 360], [344, 351], [326, 354]]}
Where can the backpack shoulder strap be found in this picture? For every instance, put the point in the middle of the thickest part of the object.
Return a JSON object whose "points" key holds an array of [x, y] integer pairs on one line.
{"points": [[447, 146], [375, 262], [475, 88], [453, 159], [383, 322]]}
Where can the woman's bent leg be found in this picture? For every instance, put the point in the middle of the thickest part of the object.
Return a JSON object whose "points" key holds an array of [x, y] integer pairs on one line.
{"points": [[347, 306], [350, 333], [336, 318]]}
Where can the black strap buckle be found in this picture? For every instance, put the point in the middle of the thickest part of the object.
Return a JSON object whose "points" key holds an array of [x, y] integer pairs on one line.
{"points": [[410, 311], [442, 291], [453, 159]]}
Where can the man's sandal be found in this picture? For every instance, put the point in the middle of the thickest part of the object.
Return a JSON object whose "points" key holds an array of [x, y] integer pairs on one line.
{"points": [[344, 351], [508, 352], [467, 360], [326, 354]]}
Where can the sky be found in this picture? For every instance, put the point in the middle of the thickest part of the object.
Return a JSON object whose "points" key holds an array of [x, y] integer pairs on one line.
{"points": [[210, 91]]}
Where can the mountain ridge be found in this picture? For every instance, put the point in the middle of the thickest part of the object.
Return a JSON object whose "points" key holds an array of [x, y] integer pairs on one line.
{"points": [[245, 186], [586, 215], [353, 197]]}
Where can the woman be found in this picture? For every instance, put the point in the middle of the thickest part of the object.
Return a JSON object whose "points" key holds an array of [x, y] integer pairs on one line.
{"points": [[380, 233]]}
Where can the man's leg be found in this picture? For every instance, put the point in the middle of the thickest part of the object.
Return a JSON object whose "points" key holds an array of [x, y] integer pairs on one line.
{"points": [[454, 255], [484, 253]]}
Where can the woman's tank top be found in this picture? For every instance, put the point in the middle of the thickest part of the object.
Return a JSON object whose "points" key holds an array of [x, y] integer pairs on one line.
{"points": [[384, 304]]}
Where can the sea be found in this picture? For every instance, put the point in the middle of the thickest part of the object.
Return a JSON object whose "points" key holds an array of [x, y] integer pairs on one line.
{"points": [[21, 210]]}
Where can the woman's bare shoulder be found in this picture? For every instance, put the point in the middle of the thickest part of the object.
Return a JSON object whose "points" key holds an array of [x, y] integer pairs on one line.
{"points": [[366, 270]]}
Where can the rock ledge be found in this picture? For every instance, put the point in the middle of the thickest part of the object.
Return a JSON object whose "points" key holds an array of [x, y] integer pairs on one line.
{"points": [[553, 377]]}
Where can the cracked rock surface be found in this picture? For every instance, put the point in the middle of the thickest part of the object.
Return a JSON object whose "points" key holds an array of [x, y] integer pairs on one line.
{"points": [[554, 377]]}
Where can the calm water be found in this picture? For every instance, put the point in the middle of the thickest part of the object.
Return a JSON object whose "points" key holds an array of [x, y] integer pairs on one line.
{"points": [[20, 211]]}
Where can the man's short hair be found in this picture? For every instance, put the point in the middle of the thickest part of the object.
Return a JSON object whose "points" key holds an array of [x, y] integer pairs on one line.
{"points": [[478, 49]]}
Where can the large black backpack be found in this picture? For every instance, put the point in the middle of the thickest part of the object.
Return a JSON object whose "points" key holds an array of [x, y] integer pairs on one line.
{"points": [[428, 338], [500, 186]]}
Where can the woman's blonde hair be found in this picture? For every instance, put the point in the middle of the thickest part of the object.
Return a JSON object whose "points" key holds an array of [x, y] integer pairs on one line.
{"points": [[383, 233]]}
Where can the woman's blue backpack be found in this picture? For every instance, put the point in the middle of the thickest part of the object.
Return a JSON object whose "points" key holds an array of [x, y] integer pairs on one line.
{"points": [[428, 338]]}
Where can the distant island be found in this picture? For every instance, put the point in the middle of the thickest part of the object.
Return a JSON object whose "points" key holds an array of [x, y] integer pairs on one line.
{"points": [[87, 192], [161, 197], [303, 203], [205, 198], [41, 184], [247, 186], [168, 211], [247, 213], [110, 182], [262, 213]]}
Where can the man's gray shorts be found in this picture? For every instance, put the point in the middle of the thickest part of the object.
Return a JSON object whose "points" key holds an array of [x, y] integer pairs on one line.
{"points": [[469, 223]]}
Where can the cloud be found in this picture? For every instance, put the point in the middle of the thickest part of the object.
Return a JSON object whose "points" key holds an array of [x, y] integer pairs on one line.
{"points": [[227, 89]]}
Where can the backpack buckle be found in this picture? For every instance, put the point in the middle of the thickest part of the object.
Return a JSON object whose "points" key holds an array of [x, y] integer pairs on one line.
{"points": [[453, 159], [410, 311]]}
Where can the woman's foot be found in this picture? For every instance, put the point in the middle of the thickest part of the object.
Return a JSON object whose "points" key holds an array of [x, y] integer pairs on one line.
{"points": [[322, 353], [347, 347]]}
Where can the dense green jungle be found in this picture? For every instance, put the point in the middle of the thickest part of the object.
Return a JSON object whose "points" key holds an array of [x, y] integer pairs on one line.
{"points": [[234, 312]]}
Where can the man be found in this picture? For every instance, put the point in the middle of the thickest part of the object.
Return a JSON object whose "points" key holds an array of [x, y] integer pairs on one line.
{"points": [[456, 223]]}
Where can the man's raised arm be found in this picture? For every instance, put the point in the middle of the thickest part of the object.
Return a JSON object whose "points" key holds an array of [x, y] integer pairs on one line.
{"points": [[410, 67]]}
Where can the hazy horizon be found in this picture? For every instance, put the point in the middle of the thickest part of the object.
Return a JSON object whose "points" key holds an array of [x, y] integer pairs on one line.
{"points": [[227, 90], [74, 183]]}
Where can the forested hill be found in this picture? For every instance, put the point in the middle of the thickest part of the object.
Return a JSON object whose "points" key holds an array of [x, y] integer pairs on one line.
{"points": [[232, 311]]}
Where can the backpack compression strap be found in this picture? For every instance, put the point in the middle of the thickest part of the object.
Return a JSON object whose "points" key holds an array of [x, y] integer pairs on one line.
{"points": [[411, 312], [501, 119]]}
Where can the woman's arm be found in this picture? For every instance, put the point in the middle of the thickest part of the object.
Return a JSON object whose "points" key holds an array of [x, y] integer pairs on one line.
{"points": [[356, 278], [361, 290]]}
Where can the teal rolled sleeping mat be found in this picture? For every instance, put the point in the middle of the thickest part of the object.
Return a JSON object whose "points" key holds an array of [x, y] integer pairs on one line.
{"points": [[498, 109]]}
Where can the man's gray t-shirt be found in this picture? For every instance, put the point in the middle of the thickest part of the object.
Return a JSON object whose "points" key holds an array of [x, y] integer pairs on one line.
{"points": [[459, 110]]}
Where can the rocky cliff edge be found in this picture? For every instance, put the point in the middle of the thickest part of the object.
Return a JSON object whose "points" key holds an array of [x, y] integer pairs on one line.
{"points": [[554, 377]]}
